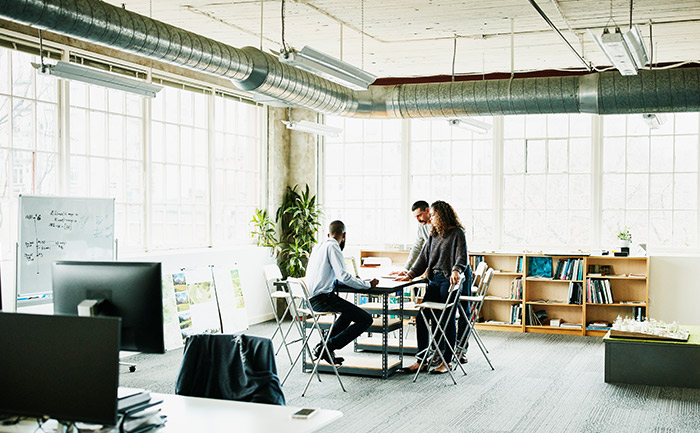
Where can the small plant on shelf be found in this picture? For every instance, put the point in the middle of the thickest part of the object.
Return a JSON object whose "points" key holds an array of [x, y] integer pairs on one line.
{"points": [[624, 235]]}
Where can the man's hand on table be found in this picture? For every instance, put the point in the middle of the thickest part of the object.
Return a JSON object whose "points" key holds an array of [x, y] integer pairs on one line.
{"points": [[373, 283]]}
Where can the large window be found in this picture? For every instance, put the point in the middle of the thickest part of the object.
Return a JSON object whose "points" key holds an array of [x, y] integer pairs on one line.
{"points": [[28, 138], [650, 179], [454, 165], [180, 160], [362, 179], [547, 180], [106, 155], [237, 152], [170, 163], [537, 182]]}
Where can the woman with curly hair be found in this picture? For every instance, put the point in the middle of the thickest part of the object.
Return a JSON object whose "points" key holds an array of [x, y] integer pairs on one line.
{"points": [[444, 256]]}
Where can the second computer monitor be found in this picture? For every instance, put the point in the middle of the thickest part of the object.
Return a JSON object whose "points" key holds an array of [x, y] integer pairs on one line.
{"points": [[61, 367], [130, 290]]}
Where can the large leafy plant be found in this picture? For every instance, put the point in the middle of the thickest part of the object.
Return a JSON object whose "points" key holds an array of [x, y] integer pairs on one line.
{"points": [[298, 221]]}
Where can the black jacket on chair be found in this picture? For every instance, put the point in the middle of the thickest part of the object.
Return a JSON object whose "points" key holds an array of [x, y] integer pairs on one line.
{"points": [[230, 367]]}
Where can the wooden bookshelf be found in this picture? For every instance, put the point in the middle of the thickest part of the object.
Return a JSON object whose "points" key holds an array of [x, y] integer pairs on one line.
{"points": [[629, 286], [499, 301], [628, 292], [628, 281]]}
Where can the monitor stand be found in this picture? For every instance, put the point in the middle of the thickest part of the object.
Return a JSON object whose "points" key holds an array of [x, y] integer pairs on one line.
{"points": [[91, 308]]}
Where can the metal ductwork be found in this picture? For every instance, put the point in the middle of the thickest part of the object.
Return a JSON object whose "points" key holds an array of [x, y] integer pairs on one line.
{"points": [[253, 70]]}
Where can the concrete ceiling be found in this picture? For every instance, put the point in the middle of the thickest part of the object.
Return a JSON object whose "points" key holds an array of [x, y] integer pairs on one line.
{"points": [[415, 38]]}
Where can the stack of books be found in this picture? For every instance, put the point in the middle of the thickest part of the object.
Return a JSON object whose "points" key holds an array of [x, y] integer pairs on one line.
{"points": [[598, 291], [138, 413], [600, 324]]}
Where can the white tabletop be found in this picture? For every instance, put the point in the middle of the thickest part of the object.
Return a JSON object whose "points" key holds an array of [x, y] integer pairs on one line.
{"points": [[192, 414]]}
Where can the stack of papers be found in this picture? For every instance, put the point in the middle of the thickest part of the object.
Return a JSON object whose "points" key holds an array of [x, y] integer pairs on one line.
{"points": [[138, 412]]}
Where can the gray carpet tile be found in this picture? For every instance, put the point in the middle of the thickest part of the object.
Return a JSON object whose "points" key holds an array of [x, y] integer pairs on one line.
{"points": [[542, 383]]}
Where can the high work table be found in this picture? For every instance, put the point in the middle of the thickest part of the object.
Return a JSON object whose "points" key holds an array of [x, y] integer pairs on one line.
{"points": [[367, 365], [194, 414]]}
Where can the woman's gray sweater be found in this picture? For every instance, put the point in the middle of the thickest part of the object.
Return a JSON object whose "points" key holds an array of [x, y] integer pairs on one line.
{"points": [[447, 253]]}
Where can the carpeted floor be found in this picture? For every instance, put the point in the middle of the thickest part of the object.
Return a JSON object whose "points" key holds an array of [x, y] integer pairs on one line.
{"points": [[542, 383]]}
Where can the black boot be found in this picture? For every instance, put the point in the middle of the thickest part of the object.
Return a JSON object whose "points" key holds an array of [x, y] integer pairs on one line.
{"points": [[318, 351]]}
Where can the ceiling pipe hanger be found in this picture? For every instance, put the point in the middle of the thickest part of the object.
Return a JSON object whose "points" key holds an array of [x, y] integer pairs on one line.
{"points": [[551, 24]]}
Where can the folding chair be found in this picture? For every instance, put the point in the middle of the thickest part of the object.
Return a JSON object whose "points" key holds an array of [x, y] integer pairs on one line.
{"points": [[446, 310], [478, 277], [297, 288], [476, 301], [273, 274]]}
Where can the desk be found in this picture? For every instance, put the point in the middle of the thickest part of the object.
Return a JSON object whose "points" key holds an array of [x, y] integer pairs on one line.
{"points": [[193, 414]]}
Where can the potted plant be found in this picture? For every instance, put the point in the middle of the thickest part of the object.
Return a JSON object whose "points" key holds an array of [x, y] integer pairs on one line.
{"points": [[264, 230], [298, 221], [625, 236]]}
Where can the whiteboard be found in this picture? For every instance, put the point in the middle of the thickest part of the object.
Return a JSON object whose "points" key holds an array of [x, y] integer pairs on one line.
{"points": [[60, 228]]}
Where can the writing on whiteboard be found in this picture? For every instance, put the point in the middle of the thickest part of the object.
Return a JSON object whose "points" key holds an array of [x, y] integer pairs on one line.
{"points": [[60, 228]]}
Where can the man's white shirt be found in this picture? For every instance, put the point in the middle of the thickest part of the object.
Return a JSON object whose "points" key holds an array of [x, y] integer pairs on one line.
{"points": [[326, 265]]}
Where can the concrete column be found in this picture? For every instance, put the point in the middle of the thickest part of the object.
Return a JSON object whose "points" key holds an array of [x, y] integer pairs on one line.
{"points": [[292, 155]]}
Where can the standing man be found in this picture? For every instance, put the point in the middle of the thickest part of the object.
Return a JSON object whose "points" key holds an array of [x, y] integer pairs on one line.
{"points": [[325, 272], [421, 212]]}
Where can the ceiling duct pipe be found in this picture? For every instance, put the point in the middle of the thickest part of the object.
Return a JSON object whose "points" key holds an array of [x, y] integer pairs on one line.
{"points": [[253, 70]]}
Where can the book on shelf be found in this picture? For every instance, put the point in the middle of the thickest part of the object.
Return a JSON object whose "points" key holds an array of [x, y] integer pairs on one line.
{"points": [[569, 269], [601, 325], [536, 318], [519, 264], [516, 288], [599, 291], [555, 322], [575, 295], [570, 325], [539, 267], [516, 314], [475, 259], [637, 275]]}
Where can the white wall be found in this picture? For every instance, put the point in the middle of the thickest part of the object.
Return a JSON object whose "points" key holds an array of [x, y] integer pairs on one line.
{"points": [[250, 261], [674, 289]]}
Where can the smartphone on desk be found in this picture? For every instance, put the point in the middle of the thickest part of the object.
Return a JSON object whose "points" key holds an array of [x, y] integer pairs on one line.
{"points": [[303, 413]]}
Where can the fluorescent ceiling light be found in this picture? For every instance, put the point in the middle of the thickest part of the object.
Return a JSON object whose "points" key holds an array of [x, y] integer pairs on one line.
{"points": [[654, 120], [625, 51], [470, 125], [314, 128], [271, 101], [73, 71], [328, 67]]}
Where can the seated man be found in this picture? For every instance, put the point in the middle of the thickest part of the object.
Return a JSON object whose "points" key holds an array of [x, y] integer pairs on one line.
{"points": [[325, 271]]}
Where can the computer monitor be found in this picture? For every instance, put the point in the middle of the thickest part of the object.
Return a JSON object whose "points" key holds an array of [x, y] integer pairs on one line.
{"points": [[130, 290], [62, 367]]}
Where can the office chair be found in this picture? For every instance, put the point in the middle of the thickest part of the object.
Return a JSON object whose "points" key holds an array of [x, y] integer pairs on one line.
{"points": [[230, 367]]}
